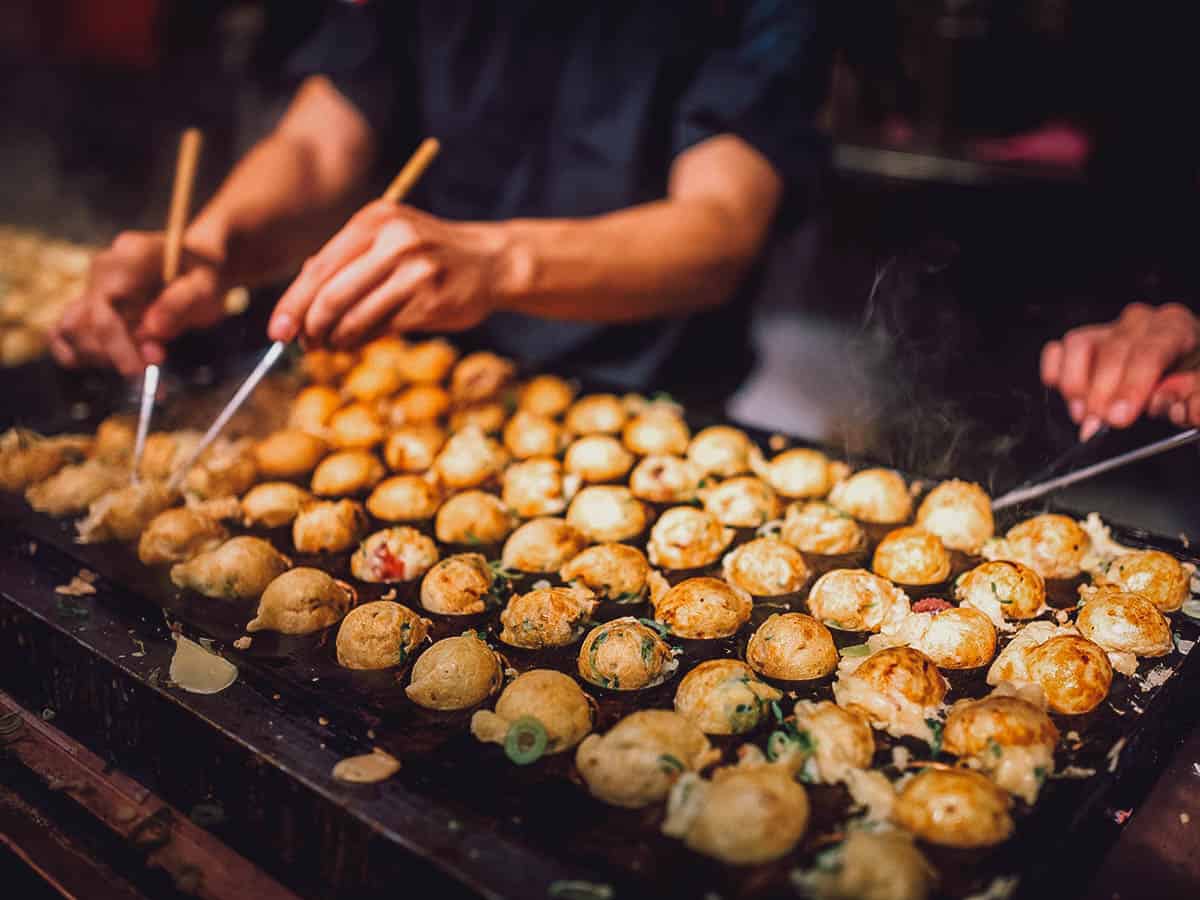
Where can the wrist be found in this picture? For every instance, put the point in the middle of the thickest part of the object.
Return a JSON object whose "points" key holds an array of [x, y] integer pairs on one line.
{"points": [[209, 239], [516, 265]]}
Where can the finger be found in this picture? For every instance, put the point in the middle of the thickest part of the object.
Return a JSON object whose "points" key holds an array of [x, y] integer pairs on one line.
{"points": [[379, 305], [1111, 360], [153, 353], [1079, 347], [1172, 389], [1193, 410], [1178, 412], [114, 341], [63, 352], [1052, 360], [1142, 372], [346, 290], [187, 302]]}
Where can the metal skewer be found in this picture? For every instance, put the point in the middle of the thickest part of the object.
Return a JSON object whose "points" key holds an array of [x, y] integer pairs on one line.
{"points": [[149, 392]]}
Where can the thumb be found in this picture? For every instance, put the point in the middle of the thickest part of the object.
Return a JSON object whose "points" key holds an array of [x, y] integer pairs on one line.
{"points": [[1171, 390], [189, 301]]}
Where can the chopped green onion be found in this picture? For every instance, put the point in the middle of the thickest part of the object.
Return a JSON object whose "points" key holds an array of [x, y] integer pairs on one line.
{"points": [[526, 741], [670, 764], [776, 711], [935, 726], [856, 650], [1191, 609]]}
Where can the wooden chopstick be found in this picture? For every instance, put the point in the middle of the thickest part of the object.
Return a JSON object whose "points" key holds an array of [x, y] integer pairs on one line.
{"points": [[181, 201], [413, 170]]}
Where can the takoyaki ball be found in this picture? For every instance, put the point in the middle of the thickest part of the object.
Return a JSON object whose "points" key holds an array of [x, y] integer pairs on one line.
{"points": [[665, 479], [347, 473], [419, 403], [554, 700], [413, 448], [367, 382], [1125, 623], [313, 407], [766, 567], [607, 513], [897, 689], [487, 417], [856, 600], [164, 450], [877, 496], [470, 458], [960, 637], [177, 535], [839, 739], [1002, 589], [273, 504], [239, 569], [1050, 544], [743, 502], [657, 431], [354, 427], [428, 362], [379, 635], [1157, 576], [960, 513], [625, 655], [228, 469], [534, 487], [687, 538], [115, 439], [822, 529], [386, 352], [528, 435], [911, 556], [702, 608], [458, 585], [875, 865], [1073, 672], [474, 518], [27, 458], [404, 498], [724, 696], [328, 526], [615, 572], [1013, 662], [547, 617], [542, 545], [1009, 739], [638, 760], [954, 808], [800, 473], [290, 453], [326, 366], [21, 344], [393, 555], [480, 376], [122, 514], [745, 816], [72, 488], [792, 647], [598, 457], [596, 414], [545, 395], [301, 601], [455, 673], [721, 450]]}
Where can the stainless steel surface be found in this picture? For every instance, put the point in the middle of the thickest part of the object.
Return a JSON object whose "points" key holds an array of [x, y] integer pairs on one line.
{"points": [[145, 411]]}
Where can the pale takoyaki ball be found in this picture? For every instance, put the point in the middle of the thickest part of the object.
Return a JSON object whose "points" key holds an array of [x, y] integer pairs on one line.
{"points": [[1050, 544], [960, 637], [800, 473], [379, 635], [638, 760], [273, 504], [1007, 738], [21, 344], [115, 439], [897, 689], [368, 382], [745, 816], [428, 362], [822, 529], [1002, 590], [487, 417], [177, 535], [721, 450], [312, 408], [745, 502], [469, 459], [290, 453], [26, 458], [766, 567], [665, 479], [347, 473], [876, 865], [480, 376], [1155, 575], [840, 739], [326, 366], [657, 432], [611, 571], [458, 585], [239, 569], [596, 414], [687, 538], [703, 608], [528, 435], [386, 352], [960, 513], [1123, 622], [473, 517], [455, 673], [413, 448], [792, 647], [547, 617], [301, 601], [328, 526], [542, 545], [122, 514], [878, 496], [404, 498], [421, 403], [534, 487], [625, 655], [164, 451], [954, 808], [724, 696], [356, 426], [856, 600], [555, 700], [1074, 673], [228, 469], [607, 513], [394, 555], [598, 457], [911, 556], [71, 489], [545, 395]]}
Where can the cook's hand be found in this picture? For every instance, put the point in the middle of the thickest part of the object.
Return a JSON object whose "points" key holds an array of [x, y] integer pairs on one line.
{"points": [[392, 268], [1114, 372]]}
